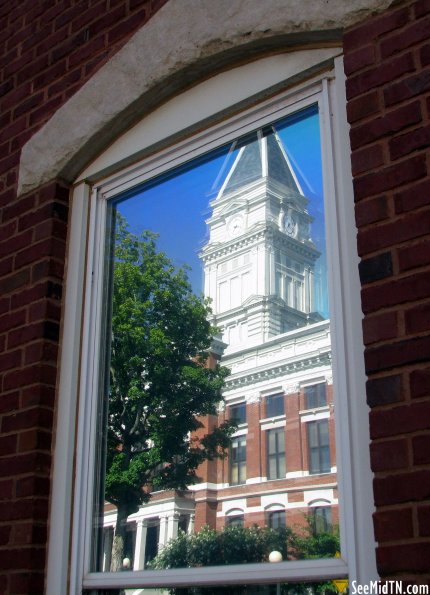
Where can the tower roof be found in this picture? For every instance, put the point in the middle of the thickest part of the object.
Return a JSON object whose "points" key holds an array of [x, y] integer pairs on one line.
{"points": [[261, 156]]}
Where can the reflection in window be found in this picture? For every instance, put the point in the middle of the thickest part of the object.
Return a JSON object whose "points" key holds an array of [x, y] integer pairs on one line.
{"points": [[238, 413], [275, 453], [275, 405], [245, 223], [276, 519], [238, 461], [319, 446], [315, 396], [321, 519]]}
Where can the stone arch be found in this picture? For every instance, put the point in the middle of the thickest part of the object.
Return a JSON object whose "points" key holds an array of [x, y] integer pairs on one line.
{"points": [[184, 43]]}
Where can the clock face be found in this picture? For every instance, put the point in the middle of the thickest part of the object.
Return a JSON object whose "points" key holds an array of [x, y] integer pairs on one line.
{"points": [[290, 225], [235, 227]]}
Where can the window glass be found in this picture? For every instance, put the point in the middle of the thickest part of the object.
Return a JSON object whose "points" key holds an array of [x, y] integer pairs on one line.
{"points": [[238, 413], [321, 518], [276, 519], [319, 446], [275, 405], [315, 396], [216, 291], [276, 453]]}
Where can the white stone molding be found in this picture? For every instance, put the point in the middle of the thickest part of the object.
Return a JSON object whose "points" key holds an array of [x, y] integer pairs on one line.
{"points": [[183, 42], [253, 398]]}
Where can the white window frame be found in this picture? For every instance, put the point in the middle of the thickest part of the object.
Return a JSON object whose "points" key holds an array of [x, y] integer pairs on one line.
{"points": [[69, 566]]}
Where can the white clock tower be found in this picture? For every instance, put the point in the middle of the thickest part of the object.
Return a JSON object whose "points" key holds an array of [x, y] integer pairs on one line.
{"points": [[259, 261]]}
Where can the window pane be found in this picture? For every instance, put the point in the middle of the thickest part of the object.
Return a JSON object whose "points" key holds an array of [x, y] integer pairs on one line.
{"points": [[216, 293]]}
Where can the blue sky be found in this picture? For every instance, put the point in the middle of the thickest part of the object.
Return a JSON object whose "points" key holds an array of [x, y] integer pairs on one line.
{"points": [[176, 206]]}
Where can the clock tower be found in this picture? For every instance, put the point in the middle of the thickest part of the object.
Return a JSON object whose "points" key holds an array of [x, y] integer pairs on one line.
{"points": [[259, 261]]}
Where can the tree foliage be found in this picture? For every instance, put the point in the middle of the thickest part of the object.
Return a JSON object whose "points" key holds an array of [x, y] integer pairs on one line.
{"points": [[239, 545], [159, 382]]}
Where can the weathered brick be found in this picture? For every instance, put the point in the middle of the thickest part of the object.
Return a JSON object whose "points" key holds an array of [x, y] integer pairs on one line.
{"points": [[402, 353], [407, 88], [419, 381], [378, 128], [389, 455], [380, 327], [417, 319], [371, 210], [367, 159], [363, 106], [413, 34], [375, 268], [402, 487], [410, 141], [413, 197], [409, 227], [403, 419], [40, 418], [384, 391], [379, 75], [425, 55], [393, 524], [421, 449], [424, 520], [359, 36], [411, 557]]}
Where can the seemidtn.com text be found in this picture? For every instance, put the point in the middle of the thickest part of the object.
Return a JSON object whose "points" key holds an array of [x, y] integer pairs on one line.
{"points": [[388, 588]]}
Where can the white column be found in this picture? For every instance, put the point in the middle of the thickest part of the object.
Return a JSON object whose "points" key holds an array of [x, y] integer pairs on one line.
{"points": [[191, 524], [139, 550], [172, 527], [162, 536]]}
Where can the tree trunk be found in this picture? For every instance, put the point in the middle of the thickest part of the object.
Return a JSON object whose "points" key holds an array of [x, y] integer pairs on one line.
{"points": [[119, 539]]}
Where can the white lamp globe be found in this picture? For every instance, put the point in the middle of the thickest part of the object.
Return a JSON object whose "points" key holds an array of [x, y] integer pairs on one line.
{"points": [[126, 563], [275, 556]]}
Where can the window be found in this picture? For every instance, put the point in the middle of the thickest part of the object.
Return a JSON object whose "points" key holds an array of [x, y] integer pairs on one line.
{"points": [[234, 520], [238, 413], [275, 453], [246, 138], [275, 405], [321, 519], [318, 446], [315, 396], [276, 519], [238, 461]]}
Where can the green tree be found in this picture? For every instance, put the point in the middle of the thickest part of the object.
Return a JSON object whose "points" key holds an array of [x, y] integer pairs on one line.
{"points": [[159, 381]]}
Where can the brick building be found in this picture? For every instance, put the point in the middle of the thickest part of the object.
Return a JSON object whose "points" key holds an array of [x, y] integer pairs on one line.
{"points": [[77, 75]]}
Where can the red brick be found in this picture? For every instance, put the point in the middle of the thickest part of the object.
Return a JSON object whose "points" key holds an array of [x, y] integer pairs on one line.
{"points": [[16, 96], [41, 418], [48, 268], [51, 74], [422, 7], [66, 16], [32, 486], [421, 449], [38, 394], [417, 319], [13, 282], [9, 162], [407, 88], [68, 45], [354, 61], [12, 320], [385, 126], [389, 455], [42, 351], [413, 197], [24, 335], [411, 557], [402, 353], [367, 159], [87, 16], [393, 524], [419, 381], [46, 289], [34, 439], [372, 29], [9, 401], [47, 212], [10, 360], [47, 247], [6, 485], [379, 75], [413, 34], [64, 82], [402, 487], [26, 106], [384, 391], [363, 106], [380, 327], [409, 142], [425, 55], [7, 446], [6, 267], [409, 227], [127, 26], [371, 211], [424, 520], [24, 463], [403, 419]]}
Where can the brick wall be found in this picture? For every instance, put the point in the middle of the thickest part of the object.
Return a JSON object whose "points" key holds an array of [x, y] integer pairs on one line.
{"points": [[387, 61], [48, 50]]}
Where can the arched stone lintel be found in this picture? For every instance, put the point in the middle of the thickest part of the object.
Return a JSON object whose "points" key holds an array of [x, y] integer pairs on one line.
{"points": [[184, 43]]}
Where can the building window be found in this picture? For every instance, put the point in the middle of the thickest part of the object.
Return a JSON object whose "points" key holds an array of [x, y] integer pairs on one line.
{"points": [[315, 396], [275, 453], [251, 136], [275, 405], [318, 446], [321, 519], [234, 520], [238, 461], [276, 519], [238, 413]]}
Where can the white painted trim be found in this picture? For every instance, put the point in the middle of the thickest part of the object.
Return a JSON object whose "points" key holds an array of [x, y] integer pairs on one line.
{"points": [[62, 476]]}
